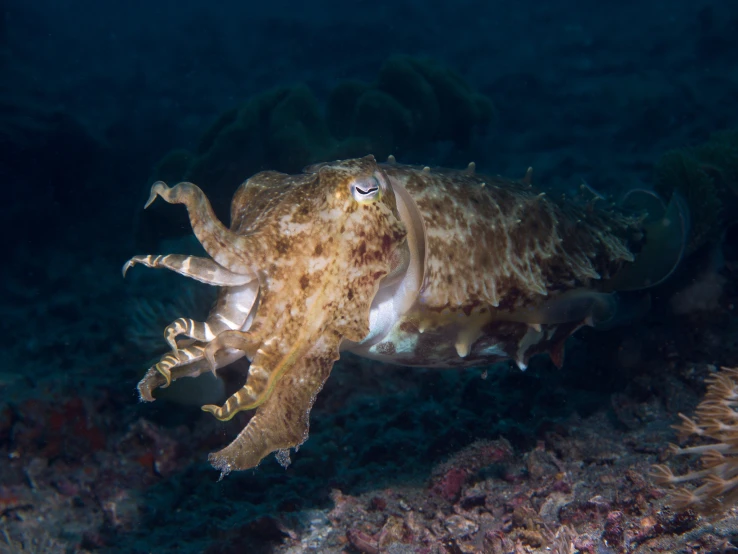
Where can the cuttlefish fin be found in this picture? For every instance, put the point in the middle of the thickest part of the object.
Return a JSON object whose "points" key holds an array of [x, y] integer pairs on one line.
{"points": [[576, 305], [667, 234], [282, 421]]}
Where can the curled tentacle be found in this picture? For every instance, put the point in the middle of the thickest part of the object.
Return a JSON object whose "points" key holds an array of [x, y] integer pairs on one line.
{"points": [[155, 379], [256, 389], [250, 396], [243, 399], [190, 362], [268, 364], [182, 356], [184, 326], [233, 311], [151, 381], [170, 364], [201, 269], [231, 339], [227, 248]]}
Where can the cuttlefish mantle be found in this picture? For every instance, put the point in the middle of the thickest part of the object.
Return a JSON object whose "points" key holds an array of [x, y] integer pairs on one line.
{"points": [[408, 265]]}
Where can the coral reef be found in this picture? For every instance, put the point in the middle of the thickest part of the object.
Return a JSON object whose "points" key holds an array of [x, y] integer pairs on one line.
{"points": [[414, 102], [715, 426], [412, 105], [283, 127], [416, 454]]}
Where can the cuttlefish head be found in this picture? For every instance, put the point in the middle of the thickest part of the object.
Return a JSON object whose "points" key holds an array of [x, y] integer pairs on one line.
{"points": [[317, 247]]}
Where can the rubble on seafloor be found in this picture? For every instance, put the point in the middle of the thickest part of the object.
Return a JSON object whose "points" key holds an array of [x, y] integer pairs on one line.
{"points": [[588, 494], [398, 461], [76, 481]]}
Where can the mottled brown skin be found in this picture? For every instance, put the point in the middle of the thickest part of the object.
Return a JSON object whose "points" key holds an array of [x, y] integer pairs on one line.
{"points": [[501, 243], [305, 257], [295, 342], [500, 255], [296, 236]]}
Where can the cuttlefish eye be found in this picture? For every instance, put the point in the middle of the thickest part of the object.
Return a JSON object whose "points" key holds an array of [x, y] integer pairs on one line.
{"points": [[365, 189]]}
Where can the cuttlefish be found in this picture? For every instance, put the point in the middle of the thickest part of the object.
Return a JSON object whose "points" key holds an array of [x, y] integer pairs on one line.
{"points": [[402, 264]]}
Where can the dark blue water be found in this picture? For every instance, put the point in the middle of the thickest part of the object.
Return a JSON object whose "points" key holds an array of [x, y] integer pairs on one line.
{"points": [[98, 100]]}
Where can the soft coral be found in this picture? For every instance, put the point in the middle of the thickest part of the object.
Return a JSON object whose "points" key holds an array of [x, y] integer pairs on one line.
{"points": [[716, 425]]}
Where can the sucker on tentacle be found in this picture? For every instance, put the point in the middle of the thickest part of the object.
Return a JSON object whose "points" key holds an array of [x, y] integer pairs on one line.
{"points": [[407, 265]]}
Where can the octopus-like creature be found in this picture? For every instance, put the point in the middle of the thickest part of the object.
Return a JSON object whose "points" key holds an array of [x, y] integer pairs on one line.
{"points": [[402, 264]]}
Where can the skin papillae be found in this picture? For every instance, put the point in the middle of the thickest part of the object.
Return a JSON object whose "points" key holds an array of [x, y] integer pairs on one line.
{"points": [[403, 264]]}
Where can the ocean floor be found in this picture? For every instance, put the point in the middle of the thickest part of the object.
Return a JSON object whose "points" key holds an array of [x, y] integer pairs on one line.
{"points": [[399, 459]]}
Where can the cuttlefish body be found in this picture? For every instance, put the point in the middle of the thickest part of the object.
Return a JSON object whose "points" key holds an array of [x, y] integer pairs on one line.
{"points": [[407, 265]]}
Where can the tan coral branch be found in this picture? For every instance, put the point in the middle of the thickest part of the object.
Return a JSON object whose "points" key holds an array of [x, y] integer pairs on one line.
{"points": [[715, 427]]}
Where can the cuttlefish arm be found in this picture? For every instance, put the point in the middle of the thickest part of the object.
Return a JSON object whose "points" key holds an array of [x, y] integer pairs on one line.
{"points": [[227, 249], [186, 362], [201, 269], [320, 245], [232, 311], [283, 420]]}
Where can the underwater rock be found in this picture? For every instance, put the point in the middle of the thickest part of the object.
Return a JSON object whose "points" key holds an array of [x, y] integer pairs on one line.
{"points": [[173, 165], [340, 108], [707, 177], [38, 146], [413, 104]]}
